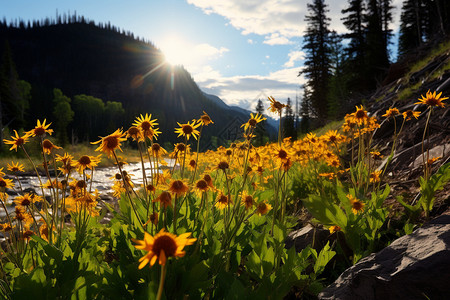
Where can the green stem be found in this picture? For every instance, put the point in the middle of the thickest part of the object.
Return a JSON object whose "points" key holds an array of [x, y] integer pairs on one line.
{"points": [[161, 283], [125, 182]]}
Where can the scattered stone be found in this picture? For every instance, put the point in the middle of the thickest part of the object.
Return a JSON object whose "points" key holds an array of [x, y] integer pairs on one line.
{"points": [[438, 151], [416, 266], [106, 197], [307, 236]]}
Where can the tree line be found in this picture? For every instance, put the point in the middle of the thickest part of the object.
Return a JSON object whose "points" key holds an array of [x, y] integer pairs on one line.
{"points": [[68, 18], [341, 67], [79, 119]]}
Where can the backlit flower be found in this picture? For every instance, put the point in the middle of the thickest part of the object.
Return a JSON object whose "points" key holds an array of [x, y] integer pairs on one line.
{"points": [[360, 115], [188, 129], [247, 200], [409, 114], [391, 112], [48, 146], [254, 119], [431, 99], [201, 186], [27, 199], [5, 184], [357, 205], [205, 119], [146, 124], [15, 167], [334, 229], [86, 162], [40, 129], [17, 141], [222, 201], [111, 142], [263, 208], [157, 151], [275, 106], [162, 246], [178, 187], [164, 198], [375, 176], [135, 133]]}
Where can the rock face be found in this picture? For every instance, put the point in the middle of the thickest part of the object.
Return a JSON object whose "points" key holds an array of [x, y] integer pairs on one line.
{"points": [[416, 266], [307, 236]]}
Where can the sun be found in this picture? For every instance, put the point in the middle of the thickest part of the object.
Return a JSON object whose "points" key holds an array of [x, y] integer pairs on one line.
{"points": [[176, 50]]}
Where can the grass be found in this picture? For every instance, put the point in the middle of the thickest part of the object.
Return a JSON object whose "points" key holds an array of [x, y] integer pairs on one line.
{"points": [[441, 49], [408, 92]]}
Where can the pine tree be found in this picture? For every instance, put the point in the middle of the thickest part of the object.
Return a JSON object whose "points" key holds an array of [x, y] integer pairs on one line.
{"points": [[260, 130], [337, 87], [411, 26], [317, 60], [305, 111], [289, 121], [377, 53], [355, 63]]}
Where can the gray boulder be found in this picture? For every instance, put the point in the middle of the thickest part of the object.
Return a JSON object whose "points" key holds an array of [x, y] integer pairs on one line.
{"points": [[415, 266]]}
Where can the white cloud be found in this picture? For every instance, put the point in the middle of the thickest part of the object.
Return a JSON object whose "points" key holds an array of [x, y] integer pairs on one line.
{"points": [[251, 42], [276, 39], [293, 57], [279, 21], [209, 51], [243, 91]]}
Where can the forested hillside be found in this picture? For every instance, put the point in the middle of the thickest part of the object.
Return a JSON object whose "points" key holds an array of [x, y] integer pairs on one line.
{"points": [[108, 76]]}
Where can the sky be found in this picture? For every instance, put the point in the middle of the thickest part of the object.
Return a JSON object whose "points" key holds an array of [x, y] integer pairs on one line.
{"points": [[238, 50]]}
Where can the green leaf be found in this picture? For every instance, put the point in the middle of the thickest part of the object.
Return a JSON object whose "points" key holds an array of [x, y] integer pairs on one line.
{"points": [[325, 211], [253, 264], [432, 185], [50, 250], [325, 255], [80, 289], [38, 276]]}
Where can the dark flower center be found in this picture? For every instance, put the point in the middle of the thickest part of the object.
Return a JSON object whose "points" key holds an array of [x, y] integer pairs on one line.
{"points": [[25, 202], [146, 125], [223, 165], [177, 185], [81, 184], [187, 129], [202, 184], [165, 198], [357, 205], [360, 114], [207, 178], [111, 142], [432, 101], [156, 147], [20, 142], [84, 160], [165, 243], [133, 131], [47, 144], [40, 131], [282, 154], [223, 199]]}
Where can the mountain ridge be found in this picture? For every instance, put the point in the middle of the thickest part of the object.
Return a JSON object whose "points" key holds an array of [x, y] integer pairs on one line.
{"points": [[82, 58]]}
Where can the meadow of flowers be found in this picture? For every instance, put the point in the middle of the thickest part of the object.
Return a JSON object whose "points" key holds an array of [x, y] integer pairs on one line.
{"points": [[211, 225]]}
